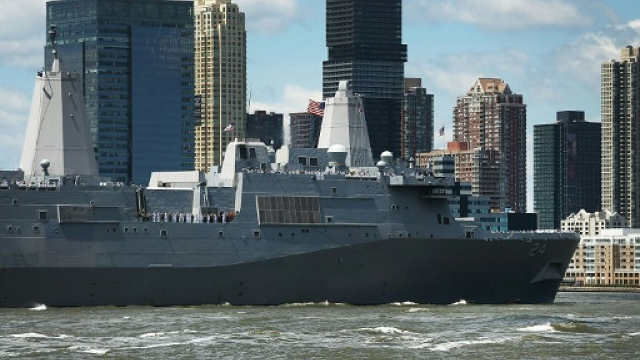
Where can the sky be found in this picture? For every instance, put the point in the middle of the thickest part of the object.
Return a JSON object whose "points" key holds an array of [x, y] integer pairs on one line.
{"points": [[549, 51]]}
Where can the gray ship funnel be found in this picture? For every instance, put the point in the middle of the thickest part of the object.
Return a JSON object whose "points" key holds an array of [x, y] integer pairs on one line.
{"points": [[57, 130], [344, 123]]}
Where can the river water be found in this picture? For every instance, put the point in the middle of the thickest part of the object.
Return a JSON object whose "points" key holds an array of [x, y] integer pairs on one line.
{"points": [[577, 326]]}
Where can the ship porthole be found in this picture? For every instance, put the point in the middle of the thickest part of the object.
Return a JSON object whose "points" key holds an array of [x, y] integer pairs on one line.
{"points": [[146, 230], [14, 201]]}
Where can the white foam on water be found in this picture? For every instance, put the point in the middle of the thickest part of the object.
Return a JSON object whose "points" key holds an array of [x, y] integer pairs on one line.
{"points": [[154, 346], [461, 302], [406, 303], [444, 347], [413, 310], [545, 328], [29, 336], [158, 334], [386, 330], [126, 317], [39, 307], [324, 303], [634, 334], [89, 350]]}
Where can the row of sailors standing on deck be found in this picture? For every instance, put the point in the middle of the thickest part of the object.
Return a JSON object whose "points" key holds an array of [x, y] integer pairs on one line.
{"points": [[190, 218]]}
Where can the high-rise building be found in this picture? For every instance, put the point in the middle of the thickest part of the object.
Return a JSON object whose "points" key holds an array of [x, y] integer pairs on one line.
{"points": [[304, 130], [492, 120], [566, 168], [417, 119], [364, 41], [221, 78], [620, 107], [135, 61], [265, 126]]}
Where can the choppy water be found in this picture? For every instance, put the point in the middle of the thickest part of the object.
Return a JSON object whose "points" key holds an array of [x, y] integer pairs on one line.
{"points": [[577, 326]]}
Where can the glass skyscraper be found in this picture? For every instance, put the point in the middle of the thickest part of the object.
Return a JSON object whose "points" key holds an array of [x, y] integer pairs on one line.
{"points": [[136, 62], [364, 41], [566, 168]]}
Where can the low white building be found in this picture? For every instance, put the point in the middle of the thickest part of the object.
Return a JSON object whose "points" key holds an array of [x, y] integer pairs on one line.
{"points": [[590, 224], [610, 258]]}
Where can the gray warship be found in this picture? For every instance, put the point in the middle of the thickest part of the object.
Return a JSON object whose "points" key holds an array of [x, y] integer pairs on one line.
{"points": [[300, 225]]}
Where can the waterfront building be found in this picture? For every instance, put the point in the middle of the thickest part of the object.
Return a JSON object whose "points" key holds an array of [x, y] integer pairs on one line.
{"points": [[135, 63], [567, 161], [221, 78], [417, 119], [591, 224], [492, 120], [304, 130], [265, 126], [609, 258], [620, 110], [364, 41]]}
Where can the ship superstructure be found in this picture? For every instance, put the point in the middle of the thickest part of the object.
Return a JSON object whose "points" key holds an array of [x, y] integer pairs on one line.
{"points": [[325, 225]]}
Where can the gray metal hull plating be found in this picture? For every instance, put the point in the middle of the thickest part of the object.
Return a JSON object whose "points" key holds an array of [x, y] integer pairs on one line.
{"points": [[396, 270]]}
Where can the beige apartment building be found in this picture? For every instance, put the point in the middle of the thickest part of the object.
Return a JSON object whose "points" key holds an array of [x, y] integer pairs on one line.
{"points": [[592, 224], [492, 120], [610, 258], [620, 92], [220, 79]]}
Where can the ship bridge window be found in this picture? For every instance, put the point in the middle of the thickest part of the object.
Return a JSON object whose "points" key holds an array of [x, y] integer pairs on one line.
{"points": [[313, 161], [42, 215], [302, 160], [439, 218], [252, 153], [242, 150]]}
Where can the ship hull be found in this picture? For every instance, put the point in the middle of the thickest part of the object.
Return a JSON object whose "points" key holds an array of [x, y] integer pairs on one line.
{"points": [[426, 271]]}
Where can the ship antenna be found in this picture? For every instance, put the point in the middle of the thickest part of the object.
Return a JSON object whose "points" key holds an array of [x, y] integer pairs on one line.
{"points": [[52, 40], [55, 66]]}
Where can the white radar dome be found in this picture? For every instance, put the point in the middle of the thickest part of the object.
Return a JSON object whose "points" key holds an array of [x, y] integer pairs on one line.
{"points": [[337, 155]]}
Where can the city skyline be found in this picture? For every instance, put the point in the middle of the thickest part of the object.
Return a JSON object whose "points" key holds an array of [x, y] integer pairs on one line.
{"points": [[550, 51]]}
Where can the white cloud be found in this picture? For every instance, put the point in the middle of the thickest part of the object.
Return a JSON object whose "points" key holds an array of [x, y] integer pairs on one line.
{"points": [[14, 111], [26, 52], [22, 32], [269, 17], [500, 14], [454, 74], [581, 59], [294, 99]]}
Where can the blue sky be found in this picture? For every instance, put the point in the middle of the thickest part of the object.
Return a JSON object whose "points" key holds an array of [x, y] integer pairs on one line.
{"points": [[548, 50]]}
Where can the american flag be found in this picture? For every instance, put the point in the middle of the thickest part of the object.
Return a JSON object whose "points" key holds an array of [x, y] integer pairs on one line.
{"points": [[316, 107], [442, 131], [230, 127]]}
